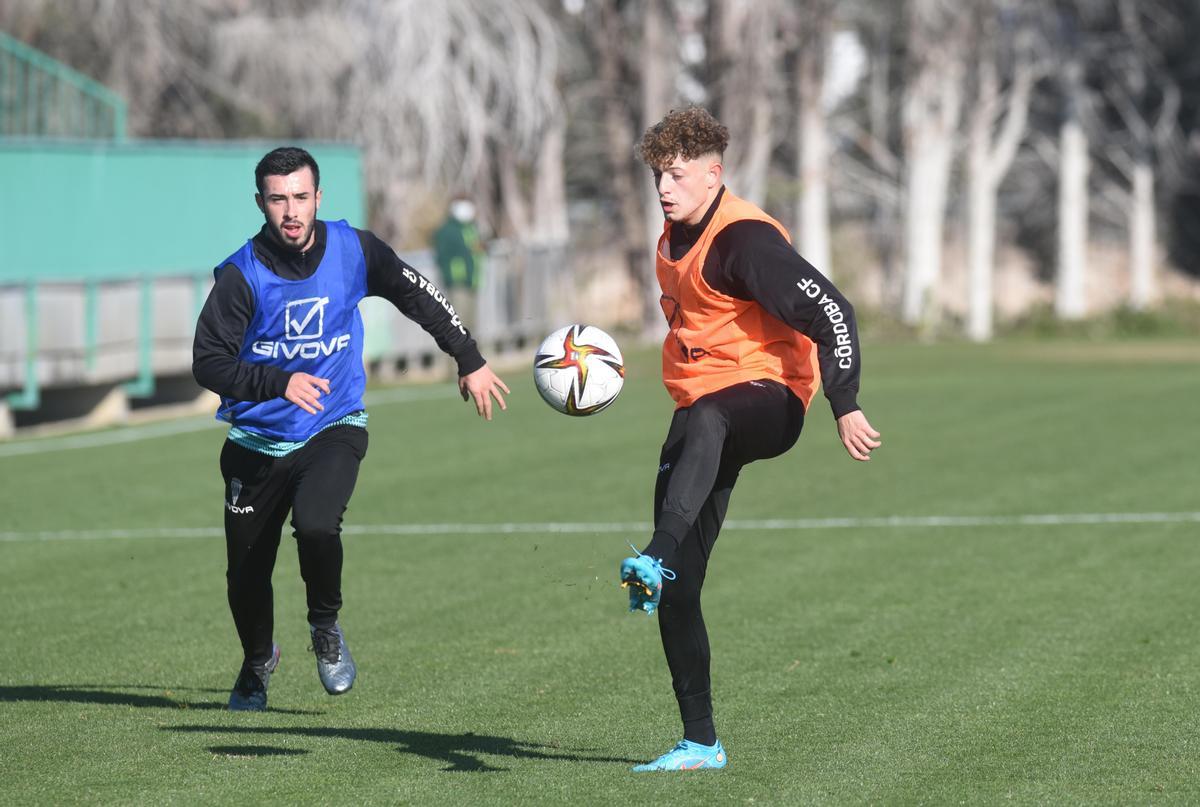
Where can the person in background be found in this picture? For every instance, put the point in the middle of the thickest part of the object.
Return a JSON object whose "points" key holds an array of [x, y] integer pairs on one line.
{"points": [[460, 256]]}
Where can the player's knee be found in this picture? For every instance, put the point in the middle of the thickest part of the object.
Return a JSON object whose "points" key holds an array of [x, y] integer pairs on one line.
{"points": [[317, 530], [706, 418]]}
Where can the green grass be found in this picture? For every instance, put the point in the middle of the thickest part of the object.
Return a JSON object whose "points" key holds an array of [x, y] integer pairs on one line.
{"points": [[1022, 663]]}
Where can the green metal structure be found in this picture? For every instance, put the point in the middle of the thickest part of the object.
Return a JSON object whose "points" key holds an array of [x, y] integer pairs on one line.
{"points": [[95, 212], [42, 97], [83, 206], [71, 210]]}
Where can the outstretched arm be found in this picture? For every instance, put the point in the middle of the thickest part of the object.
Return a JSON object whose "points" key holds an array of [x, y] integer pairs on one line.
{"points": [[419, 300], [425, 304]]}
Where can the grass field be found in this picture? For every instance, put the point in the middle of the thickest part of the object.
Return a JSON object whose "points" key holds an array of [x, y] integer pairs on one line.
{"points": [[932, 644]]}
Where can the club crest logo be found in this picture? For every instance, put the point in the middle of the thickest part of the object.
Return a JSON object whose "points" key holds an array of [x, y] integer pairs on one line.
{"points": [[235, 490]]}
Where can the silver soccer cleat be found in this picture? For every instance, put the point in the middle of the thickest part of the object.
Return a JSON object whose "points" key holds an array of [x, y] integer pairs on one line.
{"points": [[335, 665]]}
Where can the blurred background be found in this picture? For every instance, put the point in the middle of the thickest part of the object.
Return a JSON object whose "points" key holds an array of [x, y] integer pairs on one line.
{"points": [[963, 170]]}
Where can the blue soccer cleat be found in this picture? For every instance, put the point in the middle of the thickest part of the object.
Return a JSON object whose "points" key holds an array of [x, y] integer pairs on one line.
{"points": [[688, 756], [643, 576]]}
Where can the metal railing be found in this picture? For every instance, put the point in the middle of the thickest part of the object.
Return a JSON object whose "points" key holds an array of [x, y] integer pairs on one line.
{"points": [[41, 97], [74, 333], [134, 330]]}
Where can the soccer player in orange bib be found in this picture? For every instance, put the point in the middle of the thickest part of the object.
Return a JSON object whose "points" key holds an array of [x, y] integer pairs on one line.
{"points": [[754, 329]]}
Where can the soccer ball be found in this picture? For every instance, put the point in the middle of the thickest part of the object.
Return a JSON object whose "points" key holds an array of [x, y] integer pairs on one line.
{"points": [[578, 370]]}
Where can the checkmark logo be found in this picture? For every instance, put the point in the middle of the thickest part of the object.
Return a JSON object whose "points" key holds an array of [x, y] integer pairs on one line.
{"points": [[299, 316]]}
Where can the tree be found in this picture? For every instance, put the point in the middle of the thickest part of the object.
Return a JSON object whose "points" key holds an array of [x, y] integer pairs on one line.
{"points": [[742, 73], [478, 98], [154, 53], [659, 59], [1147, 101], [933, 99], [634, 55], [868, 162], [810, 28], [996, 124], [435, 93], [1073, 167]]}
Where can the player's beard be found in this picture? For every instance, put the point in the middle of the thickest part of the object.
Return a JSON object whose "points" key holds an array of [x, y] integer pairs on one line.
{"points": [[297, 244]]}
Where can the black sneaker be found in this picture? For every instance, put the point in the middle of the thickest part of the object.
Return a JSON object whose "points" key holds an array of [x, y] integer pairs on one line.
{"points": [[334, 663], [250, 690]]}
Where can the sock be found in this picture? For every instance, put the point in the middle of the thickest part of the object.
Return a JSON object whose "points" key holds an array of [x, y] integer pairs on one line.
{"points": [[701, 730], [669, 533], [662, 547], [697, 714]]}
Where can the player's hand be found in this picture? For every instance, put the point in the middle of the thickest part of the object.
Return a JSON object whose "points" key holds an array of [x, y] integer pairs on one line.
{"points": [[481, 386], [857, 435], [305, 390]]}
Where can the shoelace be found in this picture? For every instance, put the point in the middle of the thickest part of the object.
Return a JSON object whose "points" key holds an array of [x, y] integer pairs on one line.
{"points": [[326, 645], [680, 746], [663, 570]]}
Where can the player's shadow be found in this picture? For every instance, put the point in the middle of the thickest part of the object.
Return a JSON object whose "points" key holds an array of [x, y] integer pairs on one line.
{"points": [[250, 751], [460, 752], [117, 695]]}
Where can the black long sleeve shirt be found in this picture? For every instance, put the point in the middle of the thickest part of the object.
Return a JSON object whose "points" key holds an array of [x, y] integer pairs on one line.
{"points": [[751, 260], [221, 328]]}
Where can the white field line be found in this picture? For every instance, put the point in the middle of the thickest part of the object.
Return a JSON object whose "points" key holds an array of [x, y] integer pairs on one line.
{"points": [[561, 527], [130, 434], [149, 431]]}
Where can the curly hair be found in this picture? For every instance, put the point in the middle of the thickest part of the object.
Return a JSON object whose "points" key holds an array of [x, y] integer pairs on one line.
{"points": [[686, 133]]}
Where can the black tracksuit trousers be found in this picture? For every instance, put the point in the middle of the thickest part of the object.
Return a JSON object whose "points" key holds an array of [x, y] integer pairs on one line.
{"points": [[706, 448], [314, 483]]}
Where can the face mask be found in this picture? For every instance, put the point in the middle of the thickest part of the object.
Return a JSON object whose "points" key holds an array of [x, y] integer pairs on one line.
{"points": [[462, 210]]}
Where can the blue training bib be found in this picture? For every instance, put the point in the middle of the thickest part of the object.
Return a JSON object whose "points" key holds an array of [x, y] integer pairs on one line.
{"points": [[310, 326]]}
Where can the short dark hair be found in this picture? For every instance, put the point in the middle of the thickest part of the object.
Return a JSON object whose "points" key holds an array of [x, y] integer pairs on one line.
{"points": [[687, 133], [283, 161]]}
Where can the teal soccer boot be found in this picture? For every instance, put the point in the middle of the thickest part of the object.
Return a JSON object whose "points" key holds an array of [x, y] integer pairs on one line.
{"points": [[688, 756], [643, 576]]}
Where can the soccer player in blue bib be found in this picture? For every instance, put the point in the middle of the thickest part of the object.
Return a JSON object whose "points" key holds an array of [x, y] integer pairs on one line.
{"points": [[280, 340]]}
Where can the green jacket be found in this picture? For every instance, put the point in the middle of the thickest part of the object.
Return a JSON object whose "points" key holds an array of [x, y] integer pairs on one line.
{"points": [[459, 254]]}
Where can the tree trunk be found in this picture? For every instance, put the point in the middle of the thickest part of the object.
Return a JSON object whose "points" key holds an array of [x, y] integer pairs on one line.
{"points": [[610, 41], [657, 95], [989, 157], [1069, 299], [928, 177], [756, 150], [549, 187], [981, 232], [742, 67], [813, 148], [931, 117], [1142, 237], [885, 216], [513, 203]]}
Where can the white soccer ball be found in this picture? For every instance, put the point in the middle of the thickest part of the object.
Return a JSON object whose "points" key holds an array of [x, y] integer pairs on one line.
{"points": [[579, 370]]}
